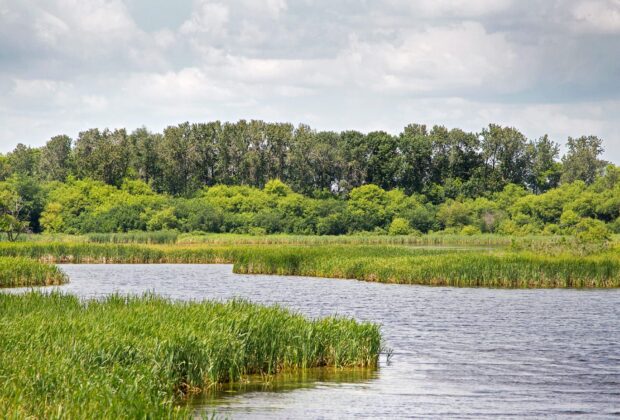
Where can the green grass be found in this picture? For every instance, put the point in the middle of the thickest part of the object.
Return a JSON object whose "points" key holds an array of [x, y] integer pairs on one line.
{"points": [[19, 271], [160, 237], [356, 239], [142, 357], [502, 269], [485, 267], [172, 237]]}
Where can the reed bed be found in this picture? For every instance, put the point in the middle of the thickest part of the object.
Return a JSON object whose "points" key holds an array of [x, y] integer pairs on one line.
{"points": [[450, 268], [160, 237], [382, 263], [198, 238], [141, 357], [77, 253], [360, 239], [21, 272]]}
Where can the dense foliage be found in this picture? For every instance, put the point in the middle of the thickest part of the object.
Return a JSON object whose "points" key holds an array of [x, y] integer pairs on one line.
{"points": [[256, 177]]}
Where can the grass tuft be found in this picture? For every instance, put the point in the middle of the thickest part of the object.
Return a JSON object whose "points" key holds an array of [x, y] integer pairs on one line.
{"points": [[21, 272]]}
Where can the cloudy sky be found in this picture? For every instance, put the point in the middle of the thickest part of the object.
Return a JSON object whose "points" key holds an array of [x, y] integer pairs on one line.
{"points": [[543, 66]]}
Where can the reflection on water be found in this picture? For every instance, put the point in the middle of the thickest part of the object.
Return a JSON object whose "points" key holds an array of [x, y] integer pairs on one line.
{"points": [[284, 382], [464, 353]]}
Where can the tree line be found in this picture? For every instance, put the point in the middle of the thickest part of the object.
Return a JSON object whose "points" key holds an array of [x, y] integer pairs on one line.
{"points": [[440, 163], [260, 178]]}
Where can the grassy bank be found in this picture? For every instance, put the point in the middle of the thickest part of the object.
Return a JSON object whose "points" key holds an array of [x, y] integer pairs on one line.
{"points": [[140, 357], [450, 268], [381, 263], [19, 271]]}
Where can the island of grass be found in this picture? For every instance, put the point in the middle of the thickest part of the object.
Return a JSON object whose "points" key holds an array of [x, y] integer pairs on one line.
{"points": [[485, 262], [142, 357], [22, 272]]}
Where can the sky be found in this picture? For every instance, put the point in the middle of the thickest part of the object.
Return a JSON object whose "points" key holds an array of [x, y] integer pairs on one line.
{"points": [[545, 67]]}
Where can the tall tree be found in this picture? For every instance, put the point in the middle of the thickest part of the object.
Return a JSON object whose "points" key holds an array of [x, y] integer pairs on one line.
{"points": [[544, 171], [145, 160], [384, 159], [416, 149], [24, 160], [278, 139], [315, 160], [464, 154], [178, 155], [102, 155], [55, 160], [204, 141], [355, 152], [582, 162], [504, 153]]}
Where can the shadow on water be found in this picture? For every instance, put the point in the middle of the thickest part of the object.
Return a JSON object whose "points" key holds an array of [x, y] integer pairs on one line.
{"points": [[281, 383]]}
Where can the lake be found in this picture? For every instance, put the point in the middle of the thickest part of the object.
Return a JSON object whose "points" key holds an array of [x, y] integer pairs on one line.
{"points": [[458, 353]]}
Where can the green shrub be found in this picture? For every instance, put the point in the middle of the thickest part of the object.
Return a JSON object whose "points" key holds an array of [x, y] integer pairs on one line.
{"points": [[591, 231], [470, 230], [399, 226]]}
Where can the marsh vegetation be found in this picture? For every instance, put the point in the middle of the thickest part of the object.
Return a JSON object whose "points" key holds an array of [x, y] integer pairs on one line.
{"points": [[526, 263], [20, 271], [141, 357]]}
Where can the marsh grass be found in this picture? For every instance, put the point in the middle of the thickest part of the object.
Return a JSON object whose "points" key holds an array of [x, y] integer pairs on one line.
{"points": [[355, 239], [459, 269], [482, 267], [19, 271], [139, 237], [141, 357], [222, 239]]}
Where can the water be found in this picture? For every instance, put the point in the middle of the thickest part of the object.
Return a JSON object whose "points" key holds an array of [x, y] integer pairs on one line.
{"points": [[458, 353]]}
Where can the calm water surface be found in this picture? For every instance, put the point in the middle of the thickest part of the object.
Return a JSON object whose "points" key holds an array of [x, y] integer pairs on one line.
{"points": [[458, 353]]}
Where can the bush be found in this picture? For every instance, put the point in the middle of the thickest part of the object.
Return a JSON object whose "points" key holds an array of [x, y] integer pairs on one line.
{"points": [[164, 219], [568, 220], [470, 230], [551, 229], [507, 227], [399, 226], [592, 231]]}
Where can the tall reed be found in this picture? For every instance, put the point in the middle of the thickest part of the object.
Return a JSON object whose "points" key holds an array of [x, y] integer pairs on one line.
{"points": [[139, 237], [460, 267], [19, 271], [141, 357]]}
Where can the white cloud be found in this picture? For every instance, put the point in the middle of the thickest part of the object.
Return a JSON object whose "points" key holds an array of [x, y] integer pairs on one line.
{"points": [[67, 65], [598, 16], [455, 8], [208, 17], [439, 59], [42, 93]]}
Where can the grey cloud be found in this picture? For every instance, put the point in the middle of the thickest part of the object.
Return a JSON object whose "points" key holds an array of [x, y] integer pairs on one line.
{"points": [[67, 65]]}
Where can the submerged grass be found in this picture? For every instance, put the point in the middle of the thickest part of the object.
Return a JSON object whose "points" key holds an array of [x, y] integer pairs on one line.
{"points": [[141, 357], [19, 271], [382, 263]]}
